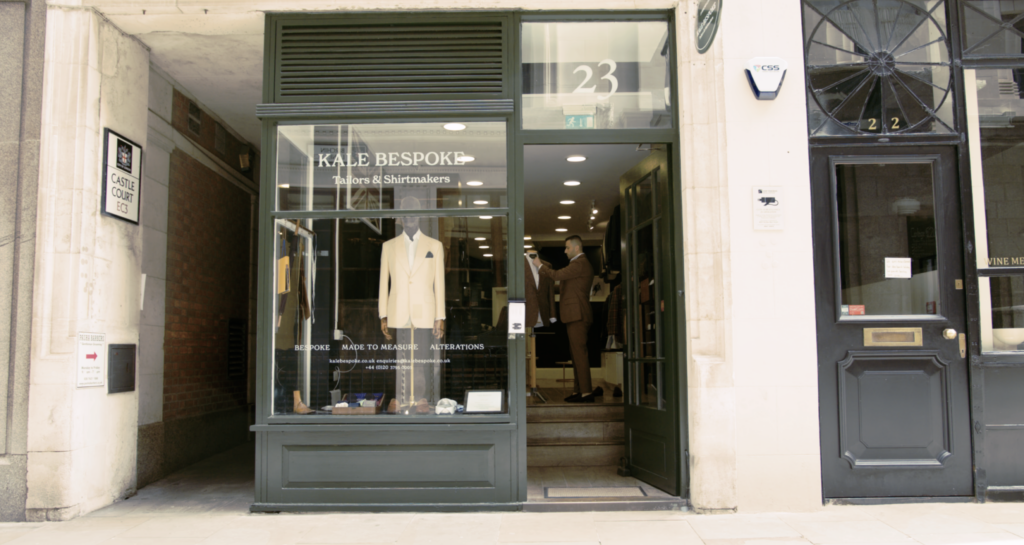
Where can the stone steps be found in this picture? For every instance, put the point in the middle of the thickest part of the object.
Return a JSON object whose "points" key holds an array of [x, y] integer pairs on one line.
{"points": [[574, 435]]}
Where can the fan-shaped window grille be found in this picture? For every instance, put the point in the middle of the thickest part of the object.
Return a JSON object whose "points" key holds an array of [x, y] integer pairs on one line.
{"points": [[375, 61], [877, 67]]}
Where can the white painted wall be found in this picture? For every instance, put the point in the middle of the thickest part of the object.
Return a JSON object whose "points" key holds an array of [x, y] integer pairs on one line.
{"points": [[771, 306], [82, 442], [160, 138]]}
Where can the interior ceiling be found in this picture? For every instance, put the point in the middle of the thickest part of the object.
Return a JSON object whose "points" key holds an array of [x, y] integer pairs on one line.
{"points": [[217, 58], [545, 174]]}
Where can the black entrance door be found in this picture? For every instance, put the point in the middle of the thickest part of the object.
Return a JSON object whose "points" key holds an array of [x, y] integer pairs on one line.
{"points": [[652, 403], [892, 368]]}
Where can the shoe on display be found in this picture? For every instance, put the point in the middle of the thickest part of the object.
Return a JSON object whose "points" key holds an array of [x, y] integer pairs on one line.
{"points": [[298, 407], [422, 407], [598, 392], [617, 392], [589, 398], [573, 398]]}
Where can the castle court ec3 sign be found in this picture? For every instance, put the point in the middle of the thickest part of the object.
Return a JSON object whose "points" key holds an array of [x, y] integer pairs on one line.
{"points": [[122, 177]]}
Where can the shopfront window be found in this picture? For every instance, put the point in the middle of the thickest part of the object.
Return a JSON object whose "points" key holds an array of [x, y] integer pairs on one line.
{"points": [[596, 75], [993, 28], [995, 120], [403, 309], [370, 167]]}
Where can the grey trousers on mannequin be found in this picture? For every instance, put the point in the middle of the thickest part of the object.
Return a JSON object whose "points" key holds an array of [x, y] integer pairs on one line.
{"points": [[418, 370], [577, 333]]}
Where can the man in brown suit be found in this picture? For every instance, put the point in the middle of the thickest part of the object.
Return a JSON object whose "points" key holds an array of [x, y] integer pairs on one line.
{"points": [[574, 305], [540, 312]]}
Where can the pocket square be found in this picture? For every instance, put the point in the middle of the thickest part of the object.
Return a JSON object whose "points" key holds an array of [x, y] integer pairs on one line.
{"points": [[430, 254]]}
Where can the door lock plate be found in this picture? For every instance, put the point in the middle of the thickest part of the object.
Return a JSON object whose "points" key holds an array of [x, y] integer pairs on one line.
{"points": [[959, 284], [963, 345]]}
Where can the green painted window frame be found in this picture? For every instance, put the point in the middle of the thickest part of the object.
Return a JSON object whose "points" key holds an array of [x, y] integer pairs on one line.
{"points": [[516, 139]]}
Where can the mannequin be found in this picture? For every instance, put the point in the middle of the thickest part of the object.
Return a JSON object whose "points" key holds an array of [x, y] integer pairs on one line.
{"points": [[411, 300]]}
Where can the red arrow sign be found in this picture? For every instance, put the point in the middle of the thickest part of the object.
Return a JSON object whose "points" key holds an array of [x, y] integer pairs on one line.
{"points": [[90, 356]]}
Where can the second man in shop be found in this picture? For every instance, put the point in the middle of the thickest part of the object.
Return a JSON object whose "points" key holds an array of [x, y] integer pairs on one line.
{"points": [[575, 280]]}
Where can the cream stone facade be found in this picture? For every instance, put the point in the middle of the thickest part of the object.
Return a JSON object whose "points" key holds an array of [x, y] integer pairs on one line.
{"points": [[751, 371]]}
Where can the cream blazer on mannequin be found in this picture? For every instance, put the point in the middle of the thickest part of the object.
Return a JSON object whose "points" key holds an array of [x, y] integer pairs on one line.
{"points": [[416, 294]]}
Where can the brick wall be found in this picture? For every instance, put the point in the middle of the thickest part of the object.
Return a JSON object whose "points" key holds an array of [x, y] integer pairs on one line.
{"points": [[207, 137], [208, 262]]}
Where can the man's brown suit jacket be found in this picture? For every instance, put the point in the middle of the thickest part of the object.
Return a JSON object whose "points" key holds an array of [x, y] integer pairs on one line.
{"points": [[574, 291]]}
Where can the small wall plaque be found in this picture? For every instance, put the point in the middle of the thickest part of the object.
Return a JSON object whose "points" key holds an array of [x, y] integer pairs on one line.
{"points": [[120, 368]]}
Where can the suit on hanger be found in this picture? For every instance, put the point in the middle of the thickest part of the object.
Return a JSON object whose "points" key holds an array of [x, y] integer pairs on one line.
{"points": [[540, 311], [411, 298], [416, 294], [574, 308]]}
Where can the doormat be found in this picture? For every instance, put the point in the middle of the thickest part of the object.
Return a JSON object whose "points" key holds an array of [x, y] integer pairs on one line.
{"points": [[561, 492]]}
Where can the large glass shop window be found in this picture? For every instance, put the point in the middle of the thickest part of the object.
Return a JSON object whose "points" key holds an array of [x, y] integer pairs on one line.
{"points": [[395, 314], [995, 122], [597, 75], [371, 166]]}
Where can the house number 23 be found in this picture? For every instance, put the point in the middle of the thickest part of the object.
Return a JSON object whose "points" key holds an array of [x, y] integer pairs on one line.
{"points": [[589, 74]]}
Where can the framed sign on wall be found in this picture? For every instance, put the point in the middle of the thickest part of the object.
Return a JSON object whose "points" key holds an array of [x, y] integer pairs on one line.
{"points": [[122, 177]]}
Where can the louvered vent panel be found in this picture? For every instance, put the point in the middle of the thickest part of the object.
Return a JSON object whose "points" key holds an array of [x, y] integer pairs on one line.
{"points": [[390, 61]]}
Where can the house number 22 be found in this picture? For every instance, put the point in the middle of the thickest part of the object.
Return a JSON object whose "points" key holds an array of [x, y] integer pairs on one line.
{"points": [[873, 124], [589, 74]]}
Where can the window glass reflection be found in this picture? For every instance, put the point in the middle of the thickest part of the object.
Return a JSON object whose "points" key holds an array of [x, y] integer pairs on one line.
{"points": [[371, 166], [887, 247], [597, 75], [388, 315]]}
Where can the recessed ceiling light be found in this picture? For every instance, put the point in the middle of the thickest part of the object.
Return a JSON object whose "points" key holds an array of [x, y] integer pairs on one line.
{"points": [[527, 245], [454, 126], [592, 217], [561, 229], [479, 202], [486, 217], [594, 211], [527, 237], [484, 247], [474, 183], [480, 238], [571, 183], [567, 202], [565, 217], [285, 186], [488, 255], [466, 159], [575, 158]]}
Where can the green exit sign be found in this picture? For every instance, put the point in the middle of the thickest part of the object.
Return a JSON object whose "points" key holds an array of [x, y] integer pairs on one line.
{"points": [[579, 122]]}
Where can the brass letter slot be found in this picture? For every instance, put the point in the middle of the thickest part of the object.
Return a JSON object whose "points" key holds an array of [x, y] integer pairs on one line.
{"points": [[892, 336]]}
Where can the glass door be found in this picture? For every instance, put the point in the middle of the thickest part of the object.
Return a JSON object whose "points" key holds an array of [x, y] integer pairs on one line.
{"points": [[651, 410]]}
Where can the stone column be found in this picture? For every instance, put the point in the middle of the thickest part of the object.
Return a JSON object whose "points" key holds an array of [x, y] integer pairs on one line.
{"points": [[710, 388], [81, 441], [22, 31]]}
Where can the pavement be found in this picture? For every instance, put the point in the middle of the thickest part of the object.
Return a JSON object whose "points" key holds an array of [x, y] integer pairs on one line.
{"points": [[208, 504]]}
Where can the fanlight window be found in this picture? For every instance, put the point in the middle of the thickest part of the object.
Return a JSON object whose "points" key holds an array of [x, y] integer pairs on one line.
{"points": [[877, 67]]}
